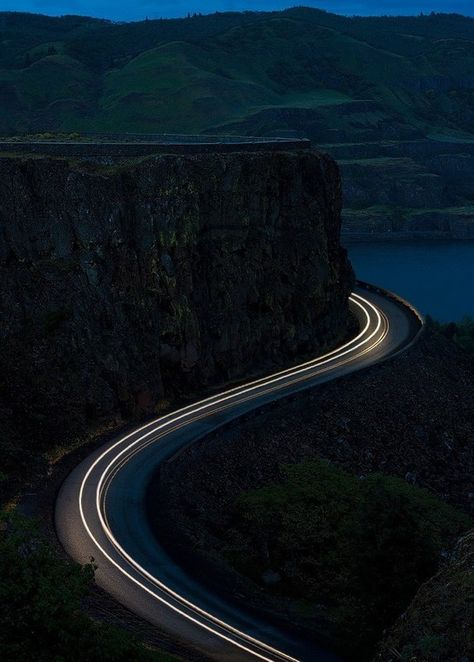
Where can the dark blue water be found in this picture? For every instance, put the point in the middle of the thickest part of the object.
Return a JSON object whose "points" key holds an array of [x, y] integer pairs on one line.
{"points": [[437, 277]]}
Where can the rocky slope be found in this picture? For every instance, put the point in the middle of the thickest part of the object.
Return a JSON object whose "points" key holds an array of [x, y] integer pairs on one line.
{"points": [[124, 284], [439, 623], [412, 417], [395, 418], [407, 189]]}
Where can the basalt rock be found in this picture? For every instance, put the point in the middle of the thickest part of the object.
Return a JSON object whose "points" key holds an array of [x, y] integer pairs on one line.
{"points": [[438, 624], [125, 283]]}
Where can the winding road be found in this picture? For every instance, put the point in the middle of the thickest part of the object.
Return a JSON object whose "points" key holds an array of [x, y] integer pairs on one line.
{"points": [[100, 510]]}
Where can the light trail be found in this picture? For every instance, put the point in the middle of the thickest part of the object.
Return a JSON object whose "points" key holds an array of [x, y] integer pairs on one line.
{"points": [[161, 427]]}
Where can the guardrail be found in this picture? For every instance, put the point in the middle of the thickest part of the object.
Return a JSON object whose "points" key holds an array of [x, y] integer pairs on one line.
{"points": [[401, 302]]}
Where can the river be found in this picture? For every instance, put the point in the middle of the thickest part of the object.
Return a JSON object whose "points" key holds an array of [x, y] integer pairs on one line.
{"points": [[436, 276]]}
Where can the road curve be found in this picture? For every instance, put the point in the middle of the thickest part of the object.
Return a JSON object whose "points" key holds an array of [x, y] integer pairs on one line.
{"points": [[100, 510]]}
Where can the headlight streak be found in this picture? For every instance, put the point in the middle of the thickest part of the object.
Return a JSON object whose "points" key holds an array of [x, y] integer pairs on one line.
{"points": [[121, 463], [173, 421]]}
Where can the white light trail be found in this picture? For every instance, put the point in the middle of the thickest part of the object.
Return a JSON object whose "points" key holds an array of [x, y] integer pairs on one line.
{"points": [[189, 414]]}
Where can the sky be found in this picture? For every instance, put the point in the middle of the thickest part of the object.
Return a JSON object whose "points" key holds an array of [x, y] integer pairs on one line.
{"points": [[127, 10]]}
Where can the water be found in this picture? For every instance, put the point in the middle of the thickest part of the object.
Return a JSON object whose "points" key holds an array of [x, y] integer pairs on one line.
{"points": [[437, 277]]}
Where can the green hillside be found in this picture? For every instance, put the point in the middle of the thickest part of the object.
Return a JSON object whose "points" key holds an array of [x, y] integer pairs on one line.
{"points": [[392, 98], [331, 77]]}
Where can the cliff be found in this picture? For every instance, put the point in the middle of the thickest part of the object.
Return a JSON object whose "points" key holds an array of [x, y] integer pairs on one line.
{"points": [[405, 190], [126, 283]]}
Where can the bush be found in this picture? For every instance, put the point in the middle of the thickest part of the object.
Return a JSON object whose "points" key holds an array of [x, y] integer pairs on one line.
{"points": [[357, 548], [462, 333]]}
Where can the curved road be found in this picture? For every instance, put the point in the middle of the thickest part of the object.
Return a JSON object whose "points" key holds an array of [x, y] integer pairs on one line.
{"points": [[100, 510]]}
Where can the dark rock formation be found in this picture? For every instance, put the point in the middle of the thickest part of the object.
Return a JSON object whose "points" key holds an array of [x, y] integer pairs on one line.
{"points": [[397, 182], [397, 224], [438, 625], [407, 189], [121, 284]]}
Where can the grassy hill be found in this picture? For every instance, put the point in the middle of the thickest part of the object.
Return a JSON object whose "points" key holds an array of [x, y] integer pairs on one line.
{"points": [[401, 88], [342, 77]]}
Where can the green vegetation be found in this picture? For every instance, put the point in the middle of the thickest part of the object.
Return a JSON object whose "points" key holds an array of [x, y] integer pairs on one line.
{"points": [[344, 78], [387, 96], [350, 552], [40, 600], [462, 333]]}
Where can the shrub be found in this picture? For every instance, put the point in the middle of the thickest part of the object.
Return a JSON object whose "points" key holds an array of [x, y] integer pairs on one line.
{"points": [[40, 599], [358, 546], [462, 333]]}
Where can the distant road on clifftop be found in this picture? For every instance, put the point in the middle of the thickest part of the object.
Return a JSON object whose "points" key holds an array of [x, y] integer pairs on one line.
{"points": [[133, 145]]}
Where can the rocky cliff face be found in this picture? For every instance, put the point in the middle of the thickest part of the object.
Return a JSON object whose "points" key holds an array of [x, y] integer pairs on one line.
{"points": [[121, 284], [407, 189]]}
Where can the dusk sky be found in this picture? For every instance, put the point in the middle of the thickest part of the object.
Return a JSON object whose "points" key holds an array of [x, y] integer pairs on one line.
{"points": [[139, 9]]}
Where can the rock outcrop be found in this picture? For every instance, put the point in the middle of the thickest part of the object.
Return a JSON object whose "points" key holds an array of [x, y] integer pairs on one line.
{"points": [[125, 283], [438, 624], [407, 189]]}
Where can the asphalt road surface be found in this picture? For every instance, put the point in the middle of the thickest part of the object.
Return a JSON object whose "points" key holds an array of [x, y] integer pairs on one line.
{"points": [[100, 510]]}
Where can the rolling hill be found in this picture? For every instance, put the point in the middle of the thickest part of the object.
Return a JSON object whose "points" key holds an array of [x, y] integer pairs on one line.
{"points": [[406, 82], [330, 76]]}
